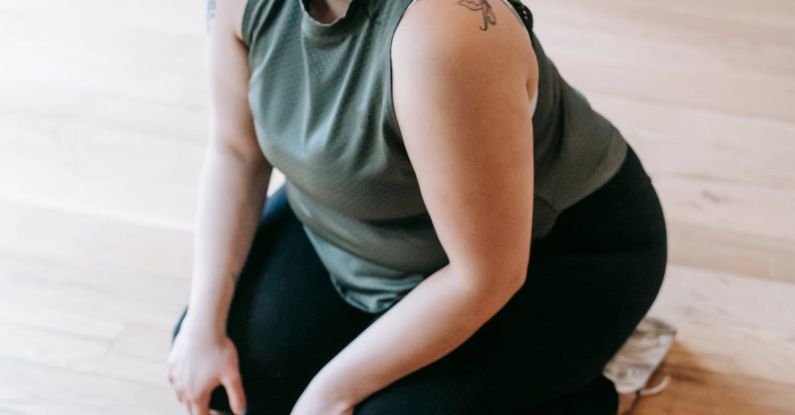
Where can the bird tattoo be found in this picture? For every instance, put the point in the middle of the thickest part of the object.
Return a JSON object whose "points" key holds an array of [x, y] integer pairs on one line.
{"points": [[484, 7]]}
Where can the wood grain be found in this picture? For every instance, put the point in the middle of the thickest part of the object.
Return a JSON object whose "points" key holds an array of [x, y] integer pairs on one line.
{"points": [[103, 123]]}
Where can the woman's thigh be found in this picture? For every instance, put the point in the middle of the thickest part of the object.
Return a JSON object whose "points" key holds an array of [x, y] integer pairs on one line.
{"points": [[588, 285], [552, 339], [285, 318]]}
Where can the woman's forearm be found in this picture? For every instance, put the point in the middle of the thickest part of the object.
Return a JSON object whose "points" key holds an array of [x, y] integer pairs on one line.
{"points": [[232, 193], [433, 319]]}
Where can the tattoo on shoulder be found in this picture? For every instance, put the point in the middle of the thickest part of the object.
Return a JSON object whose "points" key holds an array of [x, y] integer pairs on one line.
{"points": [[210, 12], [235, 277], [484, 7]]}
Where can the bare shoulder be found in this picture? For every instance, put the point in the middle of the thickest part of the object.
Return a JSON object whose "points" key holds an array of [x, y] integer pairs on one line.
{"points": [[226, 15], [482, 32], [460, 76]]}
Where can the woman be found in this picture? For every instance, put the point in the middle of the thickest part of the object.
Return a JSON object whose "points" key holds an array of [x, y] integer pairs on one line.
{"points": [[459, 231]]}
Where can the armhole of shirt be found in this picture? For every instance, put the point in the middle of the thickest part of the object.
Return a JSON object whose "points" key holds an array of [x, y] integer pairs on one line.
{"points": [[534, 99], [245, 22]]}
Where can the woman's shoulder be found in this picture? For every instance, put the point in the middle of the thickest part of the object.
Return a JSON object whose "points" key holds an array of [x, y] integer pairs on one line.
{"points": [[467, 32], [230, 14]]}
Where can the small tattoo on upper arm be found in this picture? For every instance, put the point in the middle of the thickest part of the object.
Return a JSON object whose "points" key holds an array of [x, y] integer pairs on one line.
{"points": [[210, 13], [235, 277], [484, 7]]}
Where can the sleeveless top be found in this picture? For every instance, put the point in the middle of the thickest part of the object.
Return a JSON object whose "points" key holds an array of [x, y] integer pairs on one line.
{"points": [[320, 96]]}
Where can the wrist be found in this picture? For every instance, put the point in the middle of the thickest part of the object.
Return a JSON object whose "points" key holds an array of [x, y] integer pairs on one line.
{"points": [[202, 326]]}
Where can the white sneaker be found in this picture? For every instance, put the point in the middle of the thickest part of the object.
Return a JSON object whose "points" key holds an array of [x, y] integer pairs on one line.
{"points": [[639, 357]]}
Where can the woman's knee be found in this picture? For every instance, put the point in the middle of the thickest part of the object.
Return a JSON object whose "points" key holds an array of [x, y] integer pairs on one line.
{"points": [[415, 401], [462, 382]]}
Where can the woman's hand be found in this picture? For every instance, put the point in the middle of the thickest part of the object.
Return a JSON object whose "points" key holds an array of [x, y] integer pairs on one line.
{"points": [[198, 362]]}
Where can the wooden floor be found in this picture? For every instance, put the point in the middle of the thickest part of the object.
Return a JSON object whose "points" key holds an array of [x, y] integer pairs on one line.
{"points": [[103, 120]]}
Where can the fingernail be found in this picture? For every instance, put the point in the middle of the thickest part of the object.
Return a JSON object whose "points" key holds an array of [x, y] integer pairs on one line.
{"points": [[243, 411]]}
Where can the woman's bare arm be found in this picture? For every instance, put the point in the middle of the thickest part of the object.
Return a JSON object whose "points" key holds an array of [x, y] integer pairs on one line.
{"points": [[235, 175], [233, 189], [460, 82]]}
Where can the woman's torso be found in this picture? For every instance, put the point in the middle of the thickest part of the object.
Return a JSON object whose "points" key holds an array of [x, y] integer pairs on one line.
{"points": [[320, 95]]}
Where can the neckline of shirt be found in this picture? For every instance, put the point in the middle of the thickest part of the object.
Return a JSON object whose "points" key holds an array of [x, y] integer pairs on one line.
{"points": [[341, 26]]}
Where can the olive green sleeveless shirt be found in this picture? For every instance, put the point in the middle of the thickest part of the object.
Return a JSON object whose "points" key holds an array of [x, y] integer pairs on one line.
{"points": [[320, 95]]}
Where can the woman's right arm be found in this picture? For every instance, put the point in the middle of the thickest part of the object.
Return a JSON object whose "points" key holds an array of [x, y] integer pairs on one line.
{"points": [[234, 179], [233, 189]]}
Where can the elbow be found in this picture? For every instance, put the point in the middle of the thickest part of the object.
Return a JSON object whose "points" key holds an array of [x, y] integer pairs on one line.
{"points": [[503, 286], [516, 280], [499, 280], [512, 276]]}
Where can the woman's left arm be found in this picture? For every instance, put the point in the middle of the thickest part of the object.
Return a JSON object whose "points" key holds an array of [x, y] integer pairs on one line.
{"points": [[462, 101]]}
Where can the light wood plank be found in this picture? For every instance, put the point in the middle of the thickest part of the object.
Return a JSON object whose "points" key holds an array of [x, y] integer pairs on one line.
{"points": [[694, 391], [103, 122]]}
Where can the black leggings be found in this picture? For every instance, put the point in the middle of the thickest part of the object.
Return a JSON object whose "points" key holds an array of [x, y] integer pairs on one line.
{"points": [[589, 283]]}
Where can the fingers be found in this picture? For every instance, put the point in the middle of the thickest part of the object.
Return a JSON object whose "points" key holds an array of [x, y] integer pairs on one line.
{"points": [[185, 403], [199, 404], [178, 390], [196, 402], [234, 390], [202, 408]]}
